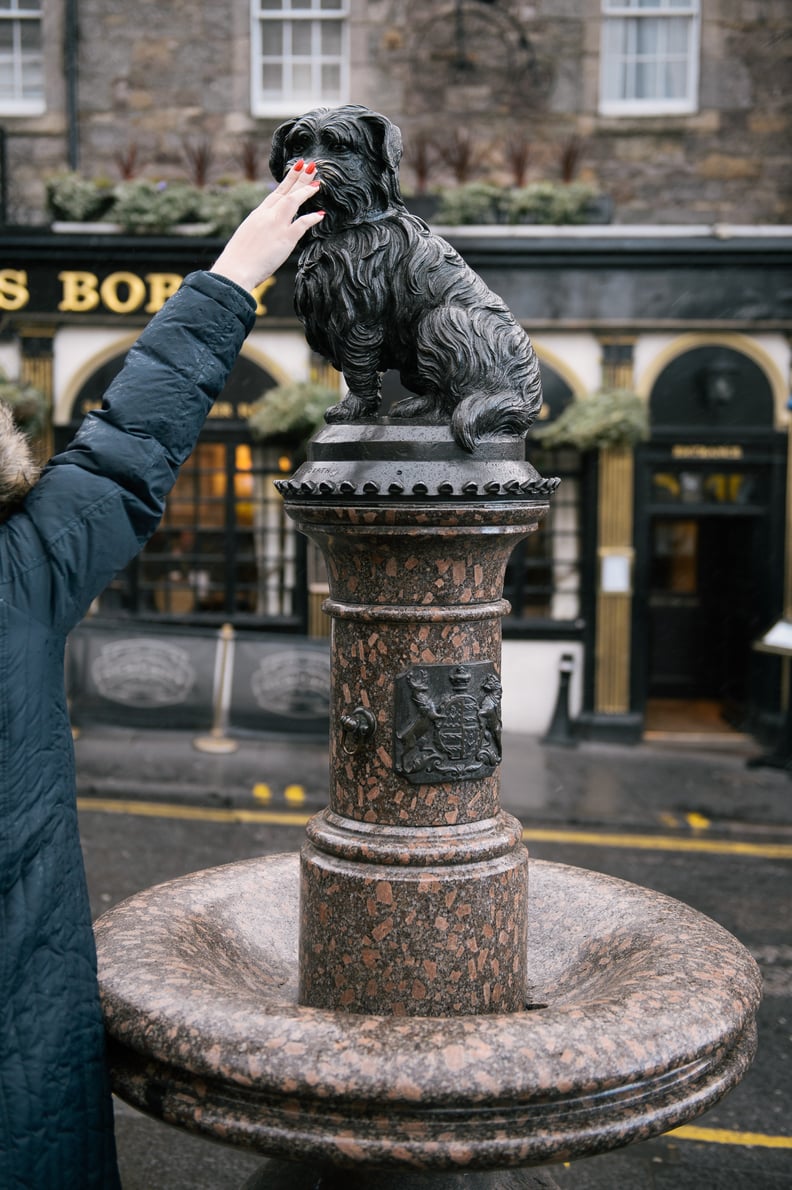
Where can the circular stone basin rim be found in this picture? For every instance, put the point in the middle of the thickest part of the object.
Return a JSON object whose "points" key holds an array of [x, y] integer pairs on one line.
{"points": [[201, 973]]}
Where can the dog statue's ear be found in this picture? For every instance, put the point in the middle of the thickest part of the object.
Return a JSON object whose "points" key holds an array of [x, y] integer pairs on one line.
{"points": [[277, 155], [389, 137]]}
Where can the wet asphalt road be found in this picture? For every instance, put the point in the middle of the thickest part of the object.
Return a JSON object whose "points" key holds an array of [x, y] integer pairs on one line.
{"points": [[697, 826]]}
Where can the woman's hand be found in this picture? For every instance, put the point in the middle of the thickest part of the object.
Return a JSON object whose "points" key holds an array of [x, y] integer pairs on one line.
{"points": [[270, 233]]}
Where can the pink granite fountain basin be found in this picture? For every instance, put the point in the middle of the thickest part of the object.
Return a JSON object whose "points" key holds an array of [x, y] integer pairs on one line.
{"points": [[639, 1016]]}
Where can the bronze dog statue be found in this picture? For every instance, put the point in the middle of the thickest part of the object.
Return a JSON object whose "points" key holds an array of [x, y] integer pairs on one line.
{"points": [[376, 289]]}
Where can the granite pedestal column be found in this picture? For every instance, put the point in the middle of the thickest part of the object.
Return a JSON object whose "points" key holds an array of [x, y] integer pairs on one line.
{"points": [[414, 882]]}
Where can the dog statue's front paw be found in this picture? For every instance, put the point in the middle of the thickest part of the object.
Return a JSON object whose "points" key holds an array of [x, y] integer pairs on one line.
{"points": [[350, 409]]}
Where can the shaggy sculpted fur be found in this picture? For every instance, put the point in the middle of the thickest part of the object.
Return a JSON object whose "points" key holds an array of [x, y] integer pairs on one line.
{"points": [[376, 289], [18, 472]]}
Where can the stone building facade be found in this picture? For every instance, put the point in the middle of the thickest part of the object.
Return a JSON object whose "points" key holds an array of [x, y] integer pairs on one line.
{"points": [[679, 112]]}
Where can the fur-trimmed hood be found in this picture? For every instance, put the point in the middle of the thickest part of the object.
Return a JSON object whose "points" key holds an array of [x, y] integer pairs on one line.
{"points": [[18, 471]]}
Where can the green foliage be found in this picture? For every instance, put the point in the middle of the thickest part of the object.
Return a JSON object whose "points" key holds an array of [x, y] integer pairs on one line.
{"points": [[147, 207], [473, 203], [143, 206], [73, 198], [291, 412], [611, 417], [539, 202], [28, 404], [550, 202], [226, 206]]}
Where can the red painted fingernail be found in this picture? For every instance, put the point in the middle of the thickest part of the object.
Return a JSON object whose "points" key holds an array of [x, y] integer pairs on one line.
{"points": [[321, 212], [310, 167], [299, 164]]}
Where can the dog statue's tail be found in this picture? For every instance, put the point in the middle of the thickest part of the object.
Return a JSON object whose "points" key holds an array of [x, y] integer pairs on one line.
{"points": [[491, 415]]}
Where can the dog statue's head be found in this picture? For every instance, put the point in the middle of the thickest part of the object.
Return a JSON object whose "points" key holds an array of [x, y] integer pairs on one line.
{"points": [[357, 153]]}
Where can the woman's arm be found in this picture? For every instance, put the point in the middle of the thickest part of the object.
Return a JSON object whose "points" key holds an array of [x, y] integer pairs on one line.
{"points": [[99, 500]]}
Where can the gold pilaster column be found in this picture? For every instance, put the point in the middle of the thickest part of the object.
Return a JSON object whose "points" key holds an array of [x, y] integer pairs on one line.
{"points": [[787, 614], [614, 585], [614, 548], [36, 367], [787, 533], [617, 361]]}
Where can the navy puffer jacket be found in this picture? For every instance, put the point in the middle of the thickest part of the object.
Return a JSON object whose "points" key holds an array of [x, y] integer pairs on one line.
{"points": [[93, 508]]}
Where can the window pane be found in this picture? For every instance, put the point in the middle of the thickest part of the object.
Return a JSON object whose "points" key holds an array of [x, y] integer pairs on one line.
{"points": [[676, 33], [6, 40], [645, 80], [302, 80], [630, 36], [30, 39], [272, 38], [617, 5], [646, 58], [32, 79], [331, 38], [310, 50], [615, 38], [331, 81], [614, 82], [674, 76], [301, 38], [543, 573], [270, 5], [647, 36], [272, 76]]}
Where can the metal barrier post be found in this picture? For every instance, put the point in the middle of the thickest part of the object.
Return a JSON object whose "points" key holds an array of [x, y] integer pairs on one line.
{"points": [[218, 742], [560, 730]]}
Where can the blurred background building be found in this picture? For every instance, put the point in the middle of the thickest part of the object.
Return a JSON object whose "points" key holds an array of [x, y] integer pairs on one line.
{"points": [[618, 170]]}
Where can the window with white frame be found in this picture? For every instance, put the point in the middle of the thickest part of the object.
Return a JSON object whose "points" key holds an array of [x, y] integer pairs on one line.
{"points": [[21, 65], [649, 57], [299, 55]]}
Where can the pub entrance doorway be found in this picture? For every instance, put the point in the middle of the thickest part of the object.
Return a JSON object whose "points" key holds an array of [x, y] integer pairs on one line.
{"points": [[710, 530], [710, 575], [702, 619]]}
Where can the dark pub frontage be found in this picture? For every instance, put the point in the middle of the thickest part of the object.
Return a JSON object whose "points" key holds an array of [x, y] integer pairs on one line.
{"points": [[662, 566]]}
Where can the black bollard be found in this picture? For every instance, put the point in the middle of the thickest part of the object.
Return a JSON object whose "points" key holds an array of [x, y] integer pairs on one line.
{"points": [[561, 729]]}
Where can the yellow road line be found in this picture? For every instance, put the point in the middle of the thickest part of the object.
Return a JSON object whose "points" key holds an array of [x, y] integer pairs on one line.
{"points": [[661, 843], [536, 835], [725, 1136], [189, 813]]}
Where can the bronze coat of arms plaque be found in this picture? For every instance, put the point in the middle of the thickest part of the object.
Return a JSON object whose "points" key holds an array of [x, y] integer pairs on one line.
{"points": [[447, 722]]}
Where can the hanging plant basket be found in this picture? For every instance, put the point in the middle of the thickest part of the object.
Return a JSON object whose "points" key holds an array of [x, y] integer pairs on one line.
{"points": [[28, 404], [290, 413], [615, 417]]}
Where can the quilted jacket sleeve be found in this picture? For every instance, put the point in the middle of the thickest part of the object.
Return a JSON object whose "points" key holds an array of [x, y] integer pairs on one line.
{"points": [[99, 500]]}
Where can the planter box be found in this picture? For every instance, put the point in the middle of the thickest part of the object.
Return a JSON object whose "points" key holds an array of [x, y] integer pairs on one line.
{"points": [[73, 227]]}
